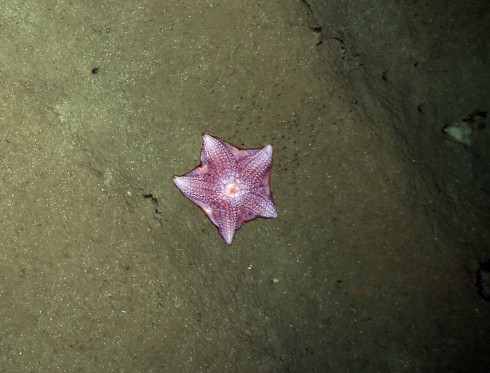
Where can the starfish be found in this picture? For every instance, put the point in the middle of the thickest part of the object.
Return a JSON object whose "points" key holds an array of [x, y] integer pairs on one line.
{"points": [[231, 185]]}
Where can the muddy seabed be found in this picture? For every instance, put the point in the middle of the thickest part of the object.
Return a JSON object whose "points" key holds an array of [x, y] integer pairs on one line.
{"points": [[377, 115]]}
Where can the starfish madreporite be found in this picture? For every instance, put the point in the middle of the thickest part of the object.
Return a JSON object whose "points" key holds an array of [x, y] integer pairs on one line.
{"points": [[231, 185]]}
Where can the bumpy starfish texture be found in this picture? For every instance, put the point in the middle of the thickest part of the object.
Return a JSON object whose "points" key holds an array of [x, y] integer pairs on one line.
{"points": [[231, 185]]}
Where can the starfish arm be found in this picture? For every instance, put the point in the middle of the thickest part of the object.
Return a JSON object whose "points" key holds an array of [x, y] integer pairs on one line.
{"points": [[196, 188], [259, 205], [217, 155], [257, 165], [226, 220]]}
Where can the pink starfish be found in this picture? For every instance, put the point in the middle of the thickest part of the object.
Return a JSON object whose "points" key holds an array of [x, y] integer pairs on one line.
{"points": [[231, 185]]}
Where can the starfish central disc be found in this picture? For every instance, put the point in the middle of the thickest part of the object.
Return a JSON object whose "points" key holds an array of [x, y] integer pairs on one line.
{"points": [[232, 189]]}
